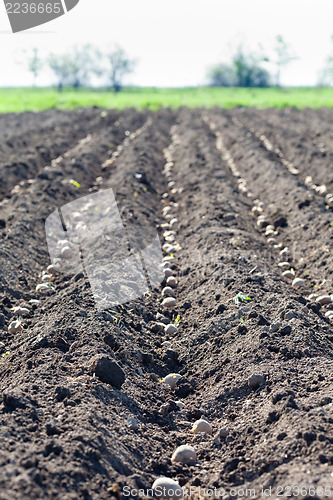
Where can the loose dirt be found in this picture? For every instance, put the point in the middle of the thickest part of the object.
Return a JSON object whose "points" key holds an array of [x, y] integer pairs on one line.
{"points": [[71, 430]]}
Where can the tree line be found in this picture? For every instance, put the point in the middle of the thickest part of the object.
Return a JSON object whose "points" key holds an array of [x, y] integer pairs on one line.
{"points": [[247, 69], [77, 67]]}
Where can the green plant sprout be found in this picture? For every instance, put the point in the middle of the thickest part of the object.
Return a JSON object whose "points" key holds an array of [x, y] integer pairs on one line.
{"points": [[240, 297]]}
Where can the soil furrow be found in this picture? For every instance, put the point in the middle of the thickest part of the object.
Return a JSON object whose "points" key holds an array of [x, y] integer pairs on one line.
{"points": [[307, 230], [23, 155], [255, 356], [307, 146]]}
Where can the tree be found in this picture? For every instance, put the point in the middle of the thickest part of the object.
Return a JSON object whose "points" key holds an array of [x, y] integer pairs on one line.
{"points": [[248, 71], [30, 59], [61, 66], [222, 75], [83, 62], [76, 67], [119, 66], [244, 71], [283, 56], [35, 64]]}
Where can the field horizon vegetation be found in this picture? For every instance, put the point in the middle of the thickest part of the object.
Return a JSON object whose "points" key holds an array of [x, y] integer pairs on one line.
{"points": [[19, 99]]}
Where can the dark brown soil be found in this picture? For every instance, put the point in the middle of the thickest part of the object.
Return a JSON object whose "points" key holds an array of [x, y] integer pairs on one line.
{"points": [[64, 423]]}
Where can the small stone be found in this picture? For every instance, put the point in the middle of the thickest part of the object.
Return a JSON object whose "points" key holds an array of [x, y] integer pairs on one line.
{"points": [[180, 405], [285, 330], [170, 329], [298, 282], [274, 327], [222, 433], [168, 292], [168, 272], [169, 302], [202, 425], [167, 488], [15, 326], [324, 299], [21, 311], [285, 265], [171, 281], [184, 454], [256, 381], [157, 327], [53, 268], [288, 274], [108, 371], [66, 252], [172, 379], [329, 314], [133, 423]]}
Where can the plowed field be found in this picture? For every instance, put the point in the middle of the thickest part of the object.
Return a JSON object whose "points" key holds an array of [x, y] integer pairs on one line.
{"points": [[246, 191]]}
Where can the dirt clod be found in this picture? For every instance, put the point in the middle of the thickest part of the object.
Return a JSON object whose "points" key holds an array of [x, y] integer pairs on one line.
{"points": [[108, 371]]}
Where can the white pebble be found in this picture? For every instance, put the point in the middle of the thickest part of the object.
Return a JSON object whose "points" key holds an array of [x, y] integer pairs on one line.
{"points": [[324, 299], [168, 258], [284, 264], [20, 311], [170, 239], [184, 454], [329, 314], [168, 272], [15, 326], [201, 425], [170, 329], [43, 287], [169, 302], [46, 278], [164, 487], [288, 274], [171, 281], [53, 268], [172, 379], [180, 404], [298, 282], [257, 211], [168, 292], [66, 252], [167, 209], [63, 243]]}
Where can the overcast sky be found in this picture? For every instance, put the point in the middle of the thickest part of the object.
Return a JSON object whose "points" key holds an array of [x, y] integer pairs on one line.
{"points": [[175, 41]]}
